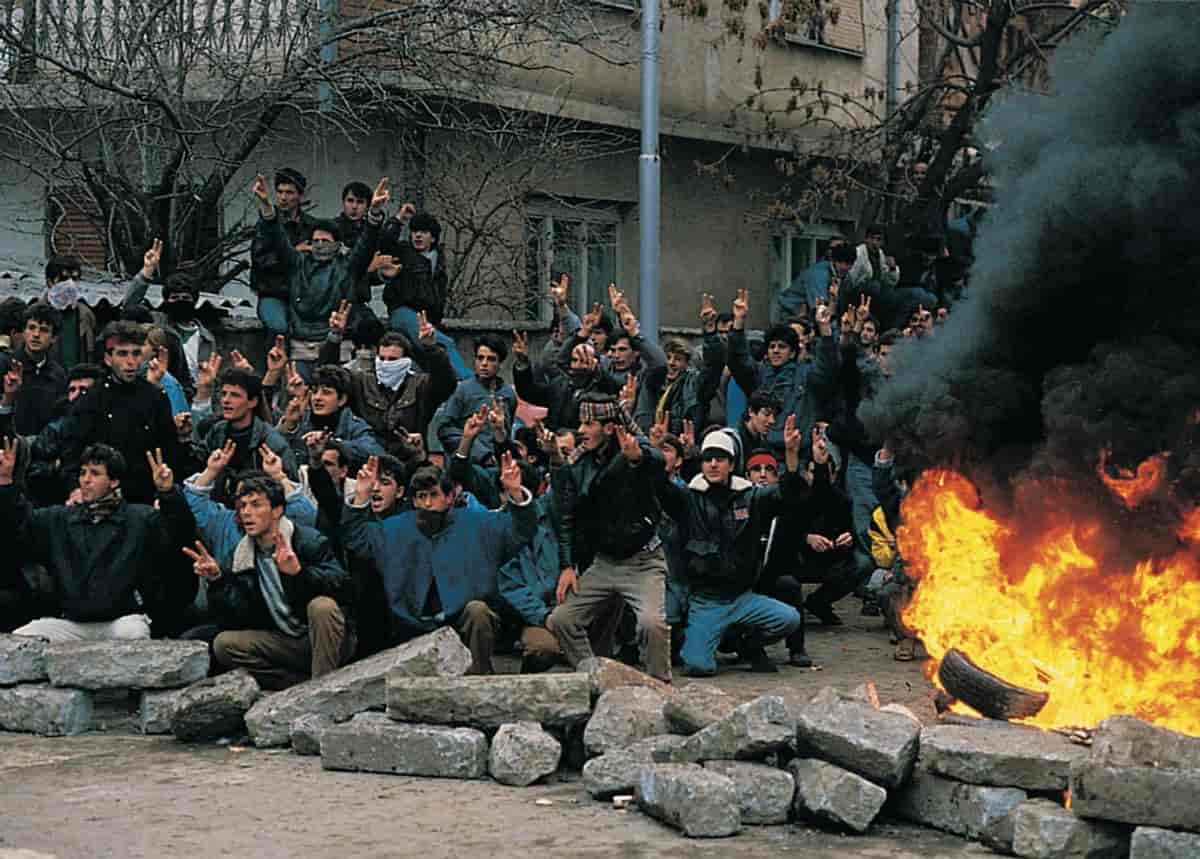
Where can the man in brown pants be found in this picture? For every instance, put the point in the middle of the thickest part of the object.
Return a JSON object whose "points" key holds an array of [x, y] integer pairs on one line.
{"points": [[609, 513], [275, 588]]}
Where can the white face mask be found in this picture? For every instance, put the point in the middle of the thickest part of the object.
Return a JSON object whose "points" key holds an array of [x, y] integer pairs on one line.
{"points": [[63, 294], [391, 373]]}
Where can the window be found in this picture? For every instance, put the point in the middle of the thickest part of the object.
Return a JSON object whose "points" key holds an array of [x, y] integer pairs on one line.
{"points": [[838, 25], [578, 240], [792, 251]]}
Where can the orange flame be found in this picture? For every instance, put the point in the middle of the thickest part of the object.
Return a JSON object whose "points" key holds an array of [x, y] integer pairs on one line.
{"points": [[1134, 489], [1189, 531], [1099, 641]]}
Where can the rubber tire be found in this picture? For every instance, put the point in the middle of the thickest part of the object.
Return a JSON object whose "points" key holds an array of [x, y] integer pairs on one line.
{"points": [[987, 693]]}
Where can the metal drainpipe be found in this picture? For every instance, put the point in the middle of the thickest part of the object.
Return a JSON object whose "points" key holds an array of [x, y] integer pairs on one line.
{"points": [[649, 175]]}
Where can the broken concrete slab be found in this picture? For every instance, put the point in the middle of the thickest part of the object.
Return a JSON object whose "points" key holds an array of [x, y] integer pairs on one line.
{"points": [[358, 687], [43, 709], [1143, 796], [750, 732], [215, 707], [854, 735], [156, 709], [615, 773], [764, 793], [22, 659], [371, 742], [698, 802], [1126, 741], [953, 806], [998, 835], [696, 706], [1043, 829], [866, 692], [522, 753], [1150, 842], [148, 664], [623, 716], [489, 702], [662, 748], [607, 674], [307, 732], [1013, 757], [831, 794]]}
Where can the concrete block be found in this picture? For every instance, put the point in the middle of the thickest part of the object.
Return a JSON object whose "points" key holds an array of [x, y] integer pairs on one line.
{"points": [[156, 710], [215, 707], [698, 802], [371, 742], [1045, 830], [522, 753], [606, 674], [1005, 757], [764, 793], [1126, 741], [661, 748], [750, 732], [615, 773], [1143, 796], [307, 732], [1150, 842], [622, 716], [357, 687], [489, 702], [953, 806], [159, 664], [22, 659], [854, 735], [696, 706], [833, 795], [43, 709]]}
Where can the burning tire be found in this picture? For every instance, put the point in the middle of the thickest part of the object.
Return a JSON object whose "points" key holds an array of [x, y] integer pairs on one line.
{"points": [[987, 693]]}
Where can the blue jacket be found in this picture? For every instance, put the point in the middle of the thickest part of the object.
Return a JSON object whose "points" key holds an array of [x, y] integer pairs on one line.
{"points": [[808, 286], [462, 558], [803, 389], [528, 581], [217, 525], [468, 397], [352, 431]]}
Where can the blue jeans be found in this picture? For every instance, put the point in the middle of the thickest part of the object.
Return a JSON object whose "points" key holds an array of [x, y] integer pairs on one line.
{"points": [[274, 315], [862, 505], [404, 320], [760, 619]]}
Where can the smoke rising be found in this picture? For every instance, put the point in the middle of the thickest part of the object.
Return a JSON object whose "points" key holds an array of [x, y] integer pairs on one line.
{"points": [[1082, 326]]}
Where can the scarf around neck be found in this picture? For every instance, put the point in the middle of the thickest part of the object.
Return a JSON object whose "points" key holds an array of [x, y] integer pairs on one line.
{"points": [[103, 507]]}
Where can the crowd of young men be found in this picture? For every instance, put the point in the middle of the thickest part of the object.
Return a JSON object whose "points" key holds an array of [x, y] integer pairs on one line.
{"points": [[302, 517]]}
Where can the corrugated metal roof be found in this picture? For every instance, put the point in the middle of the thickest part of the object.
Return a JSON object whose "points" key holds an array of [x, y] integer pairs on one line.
{"points": [[28, 286]]}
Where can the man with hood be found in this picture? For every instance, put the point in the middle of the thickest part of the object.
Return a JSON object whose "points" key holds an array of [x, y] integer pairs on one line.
{"points": [[438, 562], [322, 277], [721, 519], [393, 395]]}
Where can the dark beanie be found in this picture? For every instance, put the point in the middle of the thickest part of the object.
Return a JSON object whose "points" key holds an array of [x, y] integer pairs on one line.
{"points": [[291, 176]]}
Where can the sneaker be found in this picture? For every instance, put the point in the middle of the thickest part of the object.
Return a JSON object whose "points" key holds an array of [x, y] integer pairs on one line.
{"points": [[800, 659], [823, 613], [759, 662]]}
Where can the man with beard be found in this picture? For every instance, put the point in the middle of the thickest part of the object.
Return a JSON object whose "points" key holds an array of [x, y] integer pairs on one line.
{"points": [[282, 601], [608, 521], [722, 518], [560, 393], [438, 562], [240, 393], [114, 564], [192, 343], [320, 278], [322, 413], [123, 411], [393, 395]]}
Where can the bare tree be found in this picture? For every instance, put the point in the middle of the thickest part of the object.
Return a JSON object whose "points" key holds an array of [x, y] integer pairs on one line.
{"points": [[140, 113]]}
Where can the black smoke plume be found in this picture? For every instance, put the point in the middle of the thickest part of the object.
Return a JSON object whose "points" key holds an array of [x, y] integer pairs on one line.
{"points": [[1082, 327]]}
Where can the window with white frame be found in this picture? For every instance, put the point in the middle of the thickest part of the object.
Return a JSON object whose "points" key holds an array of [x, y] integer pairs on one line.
{"points": [[794, 250], [580, 241]]}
